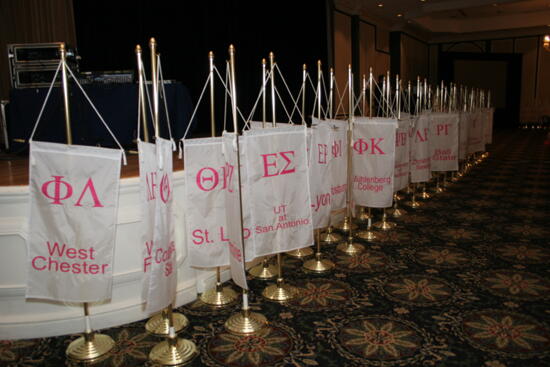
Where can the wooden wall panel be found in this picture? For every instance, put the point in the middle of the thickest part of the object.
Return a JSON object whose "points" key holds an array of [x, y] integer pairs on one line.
{"points": [[502, 46], [342, 51]]}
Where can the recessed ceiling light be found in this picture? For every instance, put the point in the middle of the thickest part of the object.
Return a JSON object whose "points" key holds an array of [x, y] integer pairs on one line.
{"points": [[422, 1], [399, 15], [380, 5]]}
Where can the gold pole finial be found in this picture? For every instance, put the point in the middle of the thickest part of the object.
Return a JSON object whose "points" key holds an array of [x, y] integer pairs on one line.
{"points": [[210, 54], [152, 42], [264, 61], [65, 85], [138, 49], [319, 62], [370, 70], [304, 67], [231, 50], [271, 55]]}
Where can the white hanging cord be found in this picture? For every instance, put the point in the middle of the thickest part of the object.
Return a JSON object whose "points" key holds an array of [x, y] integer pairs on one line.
{"points": [[253, 111], [294, 101], [324, 89], [98, 114], [46, 100], [163, 94], [340, 96], [148, 98], [227, 91], [225, 96], [196, 107], [316, 100], [284, 107]]}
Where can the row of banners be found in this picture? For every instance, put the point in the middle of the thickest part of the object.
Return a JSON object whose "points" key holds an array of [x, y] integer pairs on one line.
{"points": [[291, 178]]}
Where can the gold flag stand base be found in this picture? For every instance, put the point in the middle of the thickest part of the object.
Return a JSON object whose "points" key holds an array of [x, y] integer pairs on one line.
{"points": [[363, 215], [159, 324], [398, 212], [318, 265], [219, 296], [350, 248], [413, 204], [330, 237], [438, 189], [346, 225], [384, 224], [279, 292], [397, 196], [245, 323], [263, 270], [90, 348], [424, 194], [173, 352], [367, 235], [300, 253]]}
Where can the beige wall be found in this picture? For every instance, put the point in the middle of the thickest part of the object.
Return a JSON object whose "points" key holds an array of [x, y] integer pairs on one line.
{"points": [[342, 58], [373, 50], [415, 58], [535, 73]]}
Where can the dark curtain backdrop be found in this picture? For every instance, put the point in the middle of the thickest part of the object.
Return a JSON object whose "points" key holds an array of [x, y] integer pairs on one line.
{"points": [[32, 21], [108, 31]]}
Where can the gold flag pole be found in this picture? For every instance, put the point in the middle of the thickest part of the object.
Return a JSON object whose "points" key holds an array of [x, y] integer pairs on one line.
{"points": [[318, 264], [280, 291], [427, 93], [409, 101], [141, 95], [369, 234], [244, 322], [350, 247], [306, 251], [304, 79], [362, 214], [219, 296], [265, 270], [384, 224], [398, 212], [159, 324], [330, 236], [91, 347], [264, 111], [413, 203]]}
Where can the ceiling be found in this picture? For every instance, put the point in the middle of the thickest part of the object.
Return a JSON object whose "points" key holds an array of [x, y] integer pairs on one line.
{"points": [[455, 16]]}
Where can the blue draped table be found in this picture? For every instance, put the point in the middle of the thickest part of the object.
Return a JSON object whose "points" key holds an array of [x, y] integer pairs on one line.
{"points": [[117, 103]]}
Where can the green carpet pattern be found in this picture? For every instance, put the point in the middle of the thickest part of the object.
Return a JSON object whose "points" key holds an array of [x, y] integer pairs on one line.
{"points": [[462, 281]]}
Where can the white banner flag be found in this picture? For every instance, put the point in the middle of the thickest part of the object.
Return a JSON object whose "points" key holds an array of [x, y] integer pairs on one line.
{"points": [[402, 153], [233, 205], [73, 212], [338, 162], [320, 158], [463, 123], [420, 150], [159, 262], [488, 127], [206, 178], [373, 162], [475, 132], [280, 204], [443, 141]]}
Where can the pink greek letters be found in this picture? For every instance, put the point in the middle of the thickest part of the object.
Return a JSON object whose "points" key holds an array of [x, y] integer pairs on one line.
{"points": [[361, 146], [62, 190], [270, 163]]}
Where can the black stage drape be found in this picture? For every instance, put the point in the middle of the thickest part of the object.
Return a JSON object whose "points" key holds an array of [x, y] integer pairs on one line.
{"points": [[296, 31]]}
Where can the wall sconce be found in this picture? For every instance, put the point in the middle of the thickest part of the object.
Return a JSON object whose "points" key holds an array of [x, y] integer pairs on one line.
{"points": [[546, 42]]}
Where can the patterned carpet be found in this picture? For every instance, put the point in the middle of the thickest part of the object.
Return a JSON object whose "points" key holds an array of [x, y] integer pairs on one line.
{"points": [[462, 281]]}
